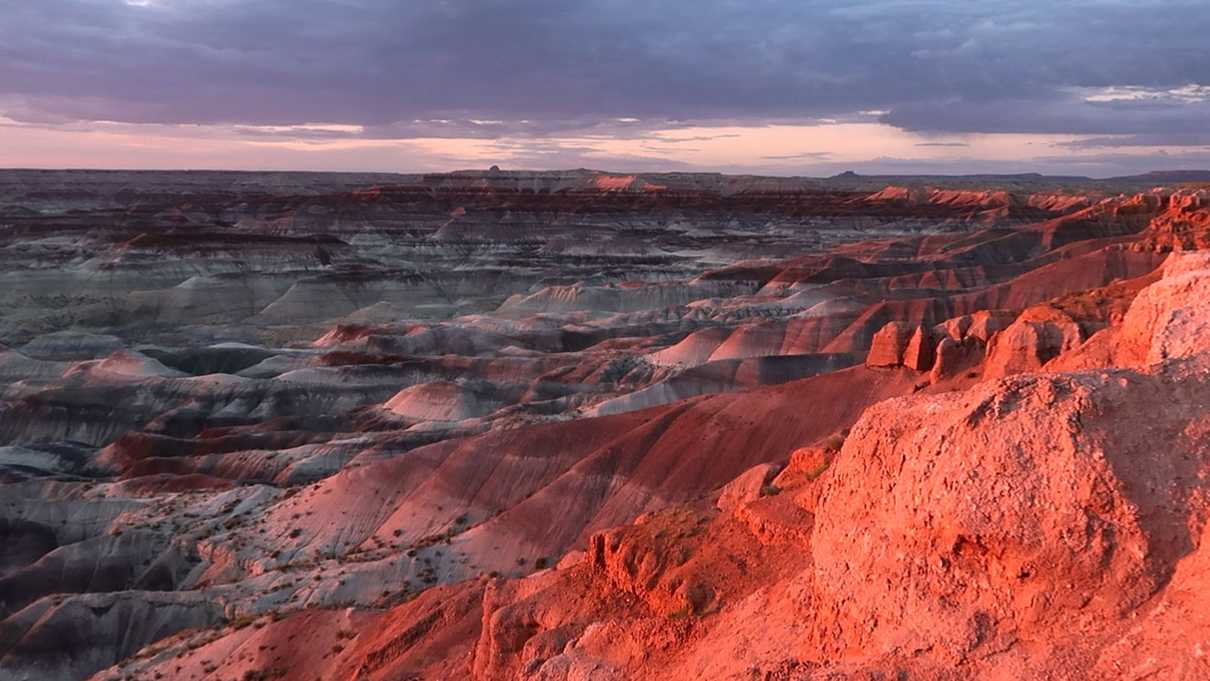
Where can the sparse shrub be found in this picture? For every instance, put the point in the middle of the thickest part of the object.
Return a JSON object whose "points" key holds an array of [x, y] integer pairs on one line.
{"points": [[680, 613], [264, 674], [814, 473], [243, 621]]}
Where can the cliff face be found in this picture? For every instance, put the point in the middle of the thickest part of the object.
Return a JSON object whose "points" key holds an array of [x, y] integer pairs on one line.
{"points": [[587, 426]]}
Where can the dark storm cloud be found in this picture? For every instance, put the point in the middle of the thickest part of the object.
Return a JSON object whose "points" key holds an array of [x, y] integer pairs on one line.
{"points": [[487, 68]]}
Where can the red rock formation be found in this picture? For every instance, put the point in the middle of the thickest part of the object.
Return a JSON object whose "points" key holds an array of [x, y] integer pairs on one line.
{"points": [[918, 355], [1039, 335], [888, 345], [954, 357], [1185, 225], [633, 470], [899, 344]]}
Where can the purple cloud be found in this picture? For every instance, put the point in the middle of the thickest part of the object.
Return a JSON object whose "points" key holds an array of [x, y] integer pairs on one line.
{"points": [[531, 66]]}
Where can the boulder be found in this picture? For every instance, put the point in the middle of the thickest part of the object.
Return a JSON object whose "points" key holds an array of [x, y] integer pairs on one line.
{"points": [[986, 323], [889, 344], [747, 487], [981, 325], [954, 357], [901, 344], [954, 328], [918, 355], [805, 465], [1039, 335]]}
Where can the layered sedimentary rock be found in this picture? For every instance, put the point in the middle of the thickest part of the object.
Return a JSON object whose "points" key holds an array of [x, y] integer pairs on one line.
{"points": [[579, 425], [1074, 541]]}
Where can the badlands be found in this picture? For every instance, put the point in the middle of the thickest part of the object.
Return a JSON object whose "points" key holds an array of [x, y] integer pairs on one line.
{"points": [[583, 426]]}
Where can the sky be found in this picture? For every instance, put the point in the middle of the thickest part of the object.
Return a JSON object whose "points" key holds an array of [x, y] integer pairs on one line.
{"points": [[780, 87]]}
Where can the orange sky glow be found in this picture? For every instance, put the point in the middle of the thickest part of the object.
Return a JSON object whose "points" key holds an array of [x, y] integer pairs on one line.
{"points": [[816, 149]]}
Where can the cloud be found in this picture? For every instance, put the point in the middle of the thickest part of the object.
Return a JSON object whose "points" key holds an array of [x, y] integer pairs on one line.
{"points": [[1134, 93], [1118, 163], [813, 155], [489, 69], [1103, 165], [1063, 113], [1156, 139]]}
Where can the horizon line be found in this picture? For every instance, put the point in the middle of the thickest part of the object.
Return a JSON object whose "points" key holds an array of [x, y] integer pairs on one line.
{"points": [[844, 174]]}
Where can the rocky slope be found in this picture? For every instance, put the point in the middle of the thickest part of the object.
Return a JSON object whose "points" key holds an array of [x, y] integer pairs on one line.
{"points": [[587, 426]]}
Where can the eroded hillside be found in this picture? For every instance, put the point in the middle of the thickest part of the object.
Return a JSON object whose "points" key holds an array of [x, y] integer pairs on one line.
{"points": [[588, 426]]}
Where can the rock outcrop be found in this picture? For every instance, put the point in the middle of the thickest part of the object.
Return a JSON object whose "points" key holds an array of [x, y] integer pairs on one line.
{"points": [[889, 345], [900, 344], [1039, 335], [903, 561], [1171, 318]]}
